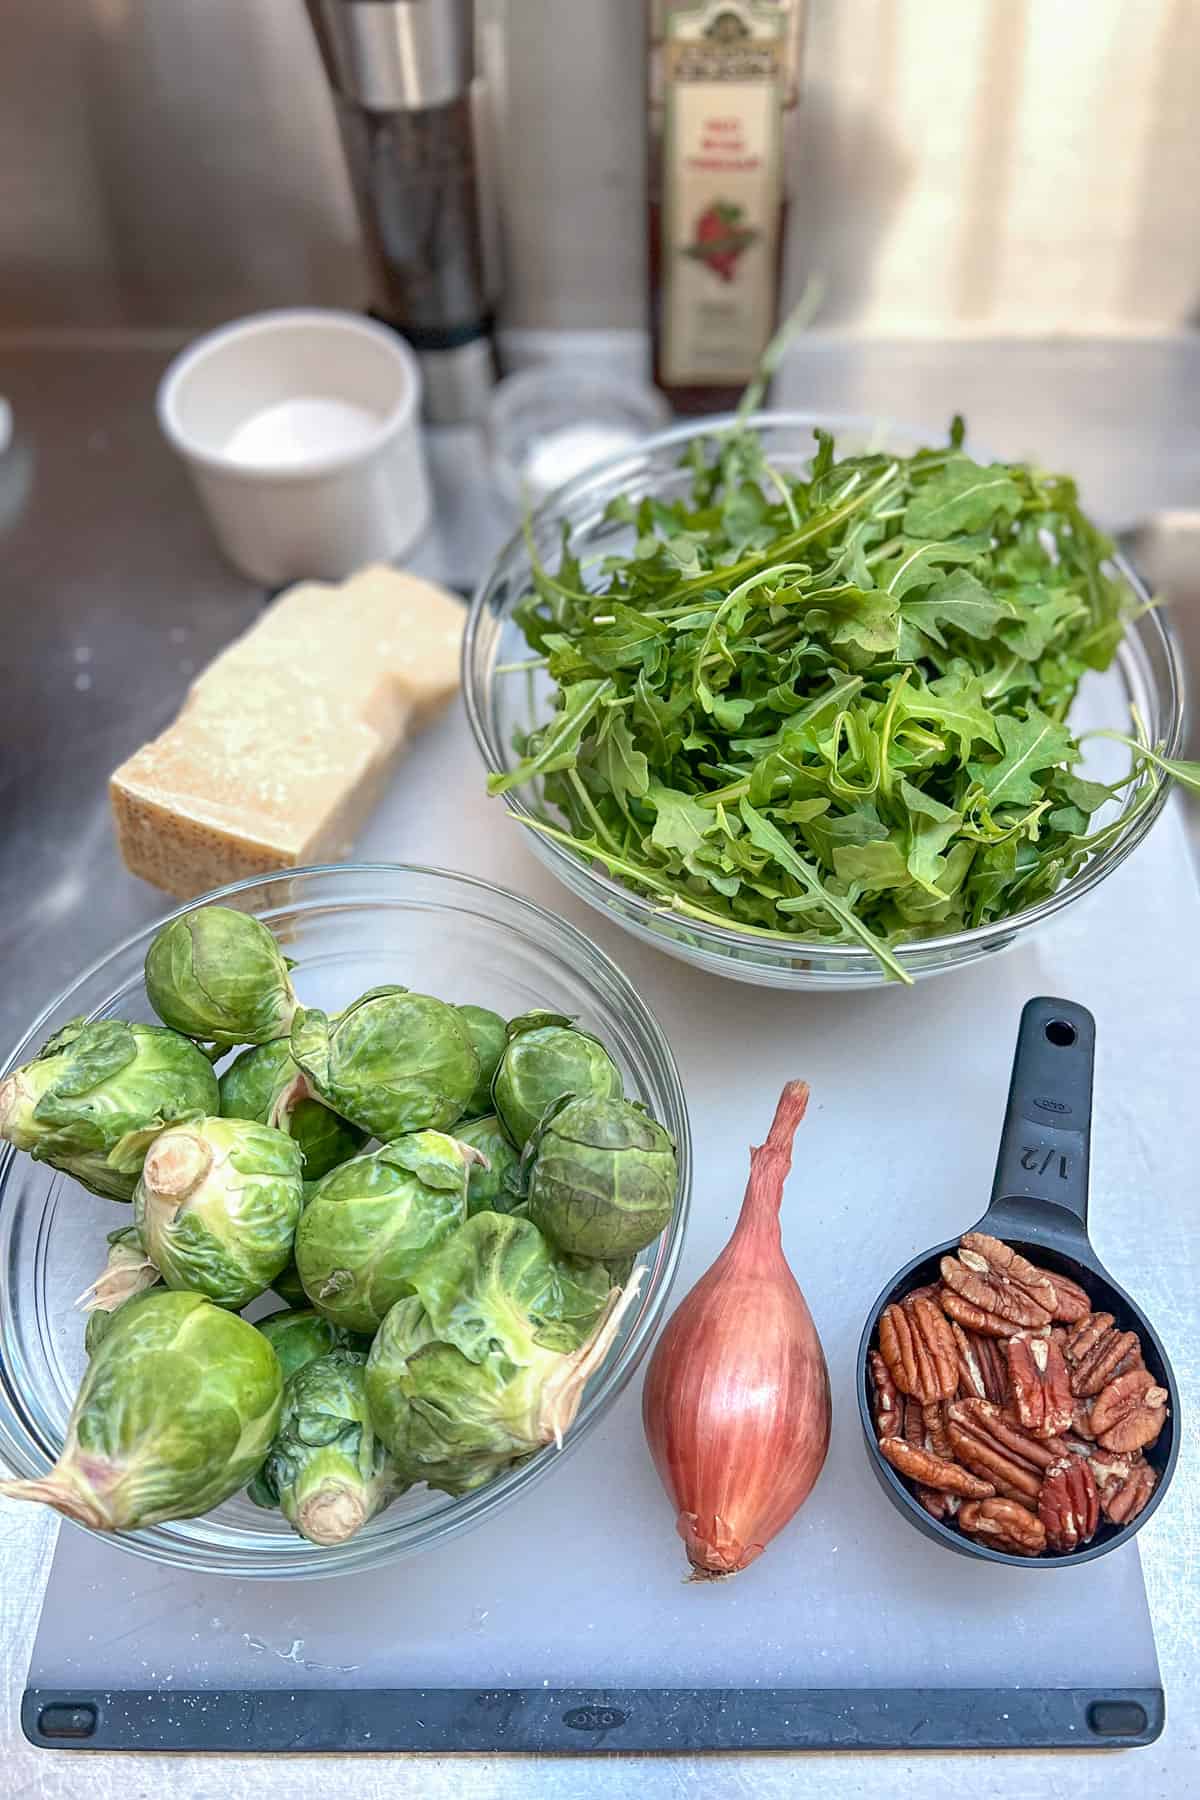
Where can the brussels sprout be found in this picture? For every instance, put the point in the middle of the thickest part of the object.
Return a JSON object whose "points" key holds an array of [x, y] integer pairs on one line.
{"points": [[370, 1222], [488, 1359], [217, 1207], [494, 1186], [601, 1177], [219, 975], [488, 1034], [176, 1412], [393, 1062], [326, 1471], [97, 1095], [249, 1088], [545, 1058], [300, 1335], [127, 1273]]}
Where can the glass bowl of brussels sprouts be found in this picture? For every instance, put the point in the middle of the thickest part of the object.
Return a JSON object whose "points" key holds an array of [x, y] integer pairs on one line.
{"points": [[413, 1095]]}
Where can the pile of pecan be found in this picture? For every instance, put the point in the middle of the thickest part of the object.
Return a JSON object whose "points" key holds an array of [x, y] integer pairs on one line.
{"points": [[1011, 1406]]}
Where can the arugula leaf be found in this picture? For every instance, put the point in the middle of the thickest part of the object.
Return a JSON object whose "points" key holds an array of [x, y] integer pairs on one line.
{"points": [[957, 703], [1187, 774], [915, 564], [616, 761], [764, 834], [872, 866], [931, 827], [962, 496], [558, 744], [1030, 744], [681, 823], [962, 601]]}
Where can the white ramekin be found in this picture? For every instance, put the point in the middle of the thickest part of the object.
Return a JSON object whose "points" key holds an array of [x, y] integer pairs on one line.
{"points": [[326, 515]]}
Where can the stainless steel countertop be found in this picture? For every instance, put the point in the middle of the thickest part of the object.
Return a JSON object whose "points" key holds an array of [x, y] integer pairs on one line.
{"points": [[113, 597]]}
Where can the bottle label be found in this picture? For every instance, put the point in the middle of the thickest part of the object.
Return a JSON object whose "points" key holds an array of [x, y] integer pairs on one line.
{"points": [[724, 88]]}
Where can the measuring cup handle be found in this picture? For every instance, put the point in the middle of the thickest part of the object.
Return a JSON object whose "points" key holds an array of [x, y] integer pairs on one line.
{"points": [[1048, 1125]]}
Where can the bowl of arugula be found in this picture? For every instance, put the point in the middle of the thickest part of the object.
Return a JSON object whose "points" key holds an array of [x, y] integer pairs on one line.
{"points": [[811, 709]]}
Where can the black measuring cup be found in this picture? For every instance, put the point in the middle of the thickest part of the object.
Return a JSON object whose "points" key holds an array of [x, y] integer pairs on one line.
{"points": [[1039, 1206]]}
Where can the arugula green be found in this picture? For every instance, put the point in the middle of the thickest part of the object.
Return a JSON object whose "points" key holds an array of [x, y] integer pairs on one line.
{"points": [[832, 707]]}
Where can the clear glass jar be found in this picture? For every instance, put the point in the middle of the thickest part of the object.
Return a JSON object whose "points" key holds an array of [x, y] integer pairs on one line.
{"points": [[348, 928], [1147, 673]]}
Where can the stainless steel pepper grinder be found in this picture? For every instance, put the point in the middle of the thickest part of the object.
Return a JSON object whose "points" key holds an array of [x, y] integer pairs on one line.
{"points": [[401, 73]]}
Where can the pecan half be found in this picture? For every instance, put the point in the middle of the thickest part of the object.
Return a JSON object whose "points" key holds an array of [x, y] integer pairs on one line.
{"points": [[1002, 1453], [1099, 1353], [1130, 1412], [1081, 1421], [887, 1404], [1126, 1484], [973, 1318], [935, 1504], [931, 1471], [933, 1418], [914, 1424], [1041, 1386], [1009, 1265], [917, 1345], [981, 1370], [1086, 1335], [1071, 1303], [997, 1279], [929, 1291], [1069, 1504], [1005, 1525]]}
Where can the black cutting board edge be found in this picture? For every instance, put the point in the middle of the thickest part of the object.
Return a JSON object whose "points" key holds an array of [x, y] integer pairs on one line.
{"points": [[574, 1721]]}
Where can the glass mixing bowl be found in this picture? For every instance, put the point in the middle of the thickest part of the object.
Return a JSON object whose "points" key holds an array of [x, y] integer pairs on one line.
{"points": [[348, 928], [502, 700]]}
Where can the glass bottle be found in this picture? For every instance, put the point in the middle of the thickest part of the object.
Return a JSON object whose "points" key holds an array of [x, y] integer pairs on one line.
{"points": [[723, 86]]}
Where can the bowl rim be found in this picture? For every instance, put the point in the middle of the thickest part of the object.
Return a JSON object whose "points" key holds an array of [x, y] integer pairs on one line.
{"points": [[159, 1543], [754, 946]]}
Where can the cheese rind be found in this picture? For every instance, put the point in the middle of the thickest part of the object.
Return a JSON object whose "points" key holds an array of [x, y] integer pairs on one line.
{"points": [[286, 740]]}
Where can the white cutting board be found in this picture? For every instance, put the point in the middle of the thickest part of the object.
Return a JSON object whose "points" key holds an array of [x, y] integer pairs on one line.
{"points": [[580, 1582]]}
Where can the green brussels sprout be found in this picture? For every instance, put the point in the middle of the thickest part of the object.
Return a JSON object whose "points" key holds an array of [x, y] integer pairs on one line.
{"points": [[298, 1335], [218, 975], [217, 1207], [392, 1062], [545, 1058], [249, 1089], [494, 1185], [370, 1222], [127, 1273], [175, 1413], [602, 1177], [488, 1033], [487, 1360], [327, 1471], [98, 1093]]}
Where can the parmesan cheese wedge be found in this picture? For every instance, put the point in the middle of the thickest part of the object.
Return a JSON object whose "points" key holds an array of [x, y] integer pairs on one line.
{"points": [[286, 740]]}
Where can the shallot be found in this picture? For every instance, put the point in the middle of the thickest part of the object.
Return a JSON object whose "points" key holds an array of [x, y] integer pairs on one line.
{"points": [[736, 1405]]}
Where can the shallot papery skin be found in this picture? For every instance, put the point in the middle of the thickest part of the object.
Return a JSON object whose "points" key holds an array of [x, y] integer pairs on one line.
{"points": [[736, 1404]]}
